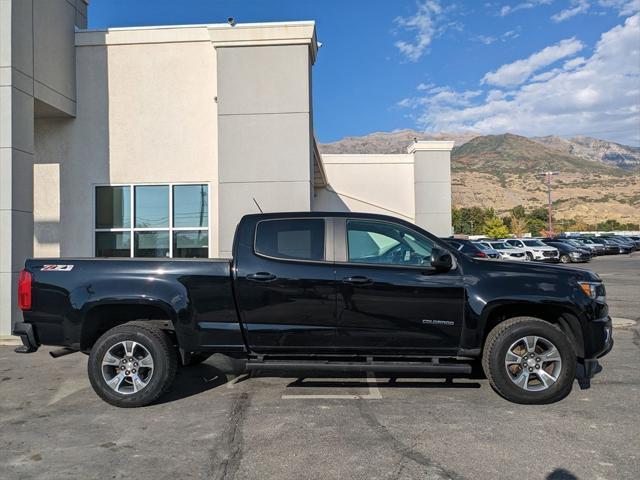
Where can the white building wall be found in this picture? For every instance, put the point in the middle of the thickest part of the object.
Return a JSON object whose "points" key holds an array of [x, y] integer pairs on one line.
{"points": [[37, 79], [368, 183]]}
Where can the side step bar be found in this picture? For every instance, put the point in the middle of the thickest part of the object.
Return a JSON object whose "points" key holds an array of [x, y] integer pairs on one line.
{"points": [[424, 367]]}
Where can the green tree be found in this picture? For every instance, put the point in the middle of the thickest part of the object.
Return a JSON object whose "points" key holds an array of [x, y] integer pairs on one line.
{"points": [[536, 226], [610, 224], [495, 228], [470, 220], [518, 212]]}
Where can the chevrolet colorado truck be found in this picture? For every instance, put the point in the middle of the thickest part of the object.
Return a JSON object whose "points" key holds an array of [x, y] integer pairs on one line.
{"points": [[319, 292]]}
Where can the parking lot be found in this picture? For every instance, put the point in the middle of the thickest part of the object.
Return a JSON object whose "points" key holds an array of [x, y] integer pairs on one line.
{"points": [[216, 424]]}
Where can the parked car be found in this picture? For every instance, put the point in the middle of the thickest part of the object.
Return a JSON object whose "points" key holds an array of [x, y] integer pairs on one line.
{"points": [[629, 241], [625, 246], [576, 244], [610, 248], [488, 250], [535, 249], [636, 240], [467, 247], [506, 251], [380, 295], [586, 242], [569, 253]]}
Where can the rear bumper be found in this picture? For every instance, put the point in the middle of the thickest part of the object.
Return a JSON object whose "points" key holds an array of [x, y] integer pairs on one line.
{"points": [[28, 336]]}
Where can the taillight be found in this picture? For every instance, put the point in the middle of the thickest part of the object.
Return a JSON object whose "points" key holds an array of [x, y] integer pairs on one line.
{"points": [[24, 290], [481, 254]]}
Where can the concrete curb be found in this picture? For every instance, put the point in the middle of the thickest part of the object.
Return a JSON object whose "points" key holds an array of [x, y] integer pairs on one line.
{"points": [[623, 322]]}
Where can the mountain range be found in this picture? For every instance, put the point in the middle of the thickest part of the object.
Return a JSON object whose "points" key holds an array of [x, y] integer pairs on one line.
{"points": [[597, 179]]}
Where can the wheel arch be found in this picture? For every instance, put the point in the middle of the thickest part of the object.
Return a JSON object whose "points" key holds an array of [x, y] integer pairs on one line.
{"points": [[102, 317], [560, 315]]}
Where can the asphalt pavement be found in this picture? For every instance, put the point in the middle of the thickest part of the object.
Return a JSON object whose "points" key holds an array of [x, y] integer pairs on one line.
{"points": [[216, 424]]}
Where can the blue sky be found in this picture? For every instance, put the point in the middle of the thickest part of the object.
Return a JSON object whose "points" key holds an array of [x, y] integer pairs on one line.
{"points": [[532, 67]]}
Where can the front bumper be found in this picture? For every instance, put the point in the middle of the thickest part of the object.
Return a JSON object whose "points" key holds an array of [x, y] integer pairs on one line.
{"points": [[598, 343], [28, 336]]}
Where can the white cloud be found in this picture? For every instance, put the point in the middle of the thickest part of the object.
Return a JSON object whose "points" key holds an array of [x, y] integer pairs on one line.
{"points": [[508, 9], [597, 96], [426, 24], [519, 71], [577, 7], [425, 86], [511, 34], [624, 7], [486, 39]]}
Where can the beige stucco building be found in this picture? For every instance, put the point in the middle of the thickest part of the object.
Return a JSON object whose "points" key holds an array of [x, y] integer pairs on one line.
{"points": [[155, 141]]}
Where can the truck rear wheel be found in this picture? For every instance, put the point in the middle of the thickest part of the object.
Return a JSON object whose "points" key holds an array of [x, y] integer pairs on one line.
{"points": [[530, 361], [132, 364]]}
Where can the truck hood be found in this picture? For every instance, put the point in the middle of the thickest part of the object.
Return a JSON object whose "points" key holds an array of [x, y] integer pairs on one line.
{"points": [[535, 268]]}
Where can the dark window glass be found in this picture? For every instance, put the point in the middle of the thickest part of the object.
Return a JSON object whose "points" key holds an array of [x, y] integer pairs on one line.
{"points": [[190, 206], [387, 244], [113, 207], [294, 239], [151, 244], [191, 244], [152, 206], [113, 244]]}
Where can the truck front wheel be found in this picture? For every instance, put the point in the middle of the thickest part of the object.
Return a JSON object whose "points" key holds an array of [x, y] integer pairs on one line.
{"points": [[530, 361], [132, 364]]}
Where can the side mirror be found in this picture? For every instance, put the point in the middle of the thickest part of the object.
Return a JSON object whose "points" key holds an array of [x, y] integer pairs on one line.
{"points": [[441, 260]]}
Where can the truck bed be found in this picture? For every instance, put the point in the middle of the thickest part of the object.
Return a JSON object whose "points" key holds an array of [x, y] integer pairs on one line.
{"points": [[72, 296]]}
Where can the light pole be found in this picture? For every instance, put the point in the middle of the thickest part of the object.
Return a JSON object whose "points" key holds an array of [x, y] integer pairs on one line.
{"points": [[548, 176]]}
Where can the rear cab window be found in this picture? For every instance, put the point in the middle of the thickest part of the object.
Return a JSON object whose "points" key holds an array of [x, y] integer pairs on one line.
{"points": [[291, 239]]}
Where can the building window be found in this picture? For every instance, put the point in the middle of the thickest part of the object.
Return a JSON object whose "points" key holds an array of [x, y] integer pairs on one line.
{"points": [[152, 221]]}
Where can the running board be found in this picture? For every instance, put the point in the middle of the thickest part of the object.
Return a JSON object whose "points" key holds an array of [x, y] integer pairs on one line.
{"points": [[382, 367]]}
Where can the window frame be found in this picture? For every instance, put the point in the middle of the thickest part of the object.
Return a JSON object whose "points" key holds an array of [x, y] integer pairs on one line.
{"points": [[132, 229], [342, 255], [328, 240]]}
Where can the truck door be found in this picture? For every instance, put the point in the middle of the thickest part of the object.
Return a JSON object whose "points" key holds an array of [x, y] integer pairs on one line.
{"points": [[285, 285], [390, 299]]}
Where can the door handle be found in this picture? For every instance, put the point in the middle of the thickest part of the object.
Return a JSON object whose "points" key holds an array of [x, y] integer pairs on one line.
{"points": [[261, 277], [357, 280]]}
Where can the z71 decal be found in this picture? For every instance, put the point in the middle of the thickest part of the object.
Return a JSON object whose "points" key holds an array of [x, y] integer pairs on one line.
{"points": [[56, 268]]}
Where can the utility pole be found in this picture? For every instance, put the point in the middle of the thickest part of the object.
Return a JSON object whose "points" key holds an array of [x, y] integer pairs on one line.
{"points": [[548, 176]]}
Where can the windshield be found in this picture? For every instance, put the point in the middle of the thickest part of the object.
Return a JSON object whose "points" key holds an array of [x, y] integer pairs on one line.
{"points": [[481, 246], [533, 243], [501, 246]]}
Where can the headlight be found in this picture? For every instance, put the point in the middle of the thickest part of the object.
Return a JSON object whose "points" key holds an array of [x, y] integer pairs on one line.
{"points": [[593, 290], [575, 254]]}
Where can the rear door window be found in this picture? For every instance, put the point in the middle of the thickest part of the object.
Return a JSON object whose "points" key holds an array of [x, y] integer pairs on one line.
{"points": [[291, 239]]}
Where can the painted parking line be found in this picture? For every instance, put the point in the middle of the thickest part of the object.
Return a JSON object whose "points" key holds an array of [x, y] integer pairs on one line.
{"points": [[238, 379], [374, 393]]}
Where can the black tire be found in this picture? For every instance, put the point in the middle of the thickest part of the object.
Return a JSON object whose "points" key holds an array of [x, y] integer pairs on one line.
{"points": [[193, 359], [159, 346], [529, 256], [497, 344], [564, 258]]}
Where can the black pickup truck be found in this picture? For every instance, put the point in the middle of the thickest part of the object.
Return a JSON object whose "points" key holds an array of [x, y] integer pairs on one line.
{"points": [[320, 292]]}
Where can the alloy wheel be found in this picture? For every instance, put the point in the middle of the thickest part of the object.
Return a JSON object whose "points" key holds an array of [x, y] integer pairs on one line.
{"points": [[533, 363], [127, 367]]}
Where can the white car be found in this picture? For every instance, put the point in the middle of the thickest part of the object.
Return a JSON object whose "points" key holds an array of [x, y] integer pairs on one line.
{"points": [[506, 251], [535, 249]]}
